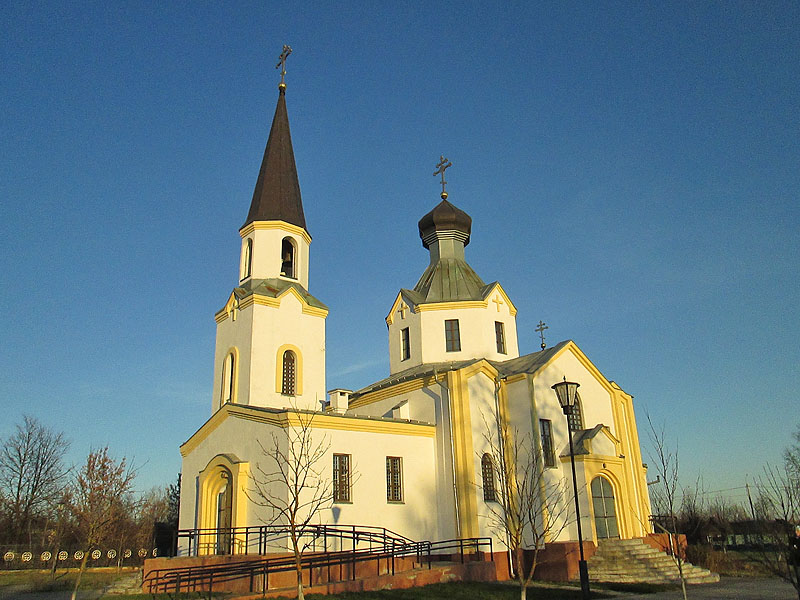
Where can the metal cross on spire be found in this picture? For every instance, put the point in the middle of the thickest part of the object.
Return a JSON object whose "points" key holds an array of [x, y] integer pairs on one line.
{"points": [[540, 330], [287, 50], [443, 165]]}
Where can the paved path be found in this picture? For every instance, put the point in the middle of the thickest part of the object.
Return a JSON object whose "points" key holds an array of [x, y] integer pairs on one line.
{"points": [[732, 588], [10, 594]]}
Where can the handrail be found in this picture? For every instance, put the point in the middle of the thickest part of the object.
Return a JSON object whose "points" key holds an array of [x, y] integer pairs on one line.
{"points": [[203, 578], [256, 539]]}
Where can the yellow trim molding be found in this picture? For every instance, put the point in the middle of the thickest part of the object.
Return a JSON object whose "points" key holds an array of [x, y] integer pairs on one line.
{"points": [[282, 225], [275, 302], [466, 487], [287, 418], [211, 482], [397, 389], [452, 305]]}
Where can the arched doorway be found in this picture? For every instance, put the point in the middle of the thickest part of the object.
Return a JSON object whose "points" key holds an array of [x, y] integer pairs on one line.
{"points": [[603, 506], [224, 508], [220, 506]]}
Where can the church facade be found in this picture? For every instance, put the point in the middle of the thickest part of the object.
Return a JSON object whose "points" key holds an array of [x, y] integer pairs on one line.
{"points": [[409, 452]]}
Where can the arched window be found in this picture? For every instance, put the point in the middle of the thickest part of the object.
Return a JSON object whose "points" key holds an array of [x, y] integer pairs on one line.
{"points": [[228, 379], [247, 259], [575, 417], [289, 381], [487, 471], [287, 258]]}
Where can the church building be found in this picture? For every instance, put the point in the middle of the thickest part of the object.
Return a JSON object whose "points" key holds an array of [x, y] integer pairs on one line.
{"points": [[411, 452]]}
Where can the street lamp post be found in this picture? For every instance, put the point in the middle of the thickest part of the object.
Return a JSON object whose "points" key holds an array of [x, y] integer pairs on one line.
{"points": [[566, 391]]}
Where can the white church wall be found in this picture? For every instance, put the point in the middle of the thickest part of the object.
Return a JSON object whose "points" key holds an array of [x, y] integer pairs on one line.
{"points": [[483, 407], [412, 517], [421, 405], [476, 328], [402, 318], [233, 334], [595, 399], [287, 327]]}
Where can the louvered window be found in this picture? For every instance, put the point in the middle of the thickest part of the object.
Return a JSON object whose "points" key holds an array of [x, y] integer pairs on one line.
{"points": [[487, 473], [341, 478], [394, 479], [288, 386]]}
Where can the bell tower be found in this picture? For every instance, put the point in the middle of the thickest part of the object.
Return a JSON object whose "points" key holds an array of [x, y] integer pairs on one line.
{"points": [[270, 348]]}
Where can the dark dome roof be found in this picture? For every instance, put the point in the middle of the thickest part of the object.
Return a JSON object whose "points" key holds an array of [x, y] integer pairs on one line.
{"points": [[445, 217]]}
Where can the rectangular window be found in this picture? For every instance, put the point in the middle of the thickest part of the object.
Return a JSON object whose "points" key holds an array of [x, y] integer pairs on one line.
{"points": [[546, 431], [394, 479], [500, 337], [405, 344], [452, 337], [341, 478]]}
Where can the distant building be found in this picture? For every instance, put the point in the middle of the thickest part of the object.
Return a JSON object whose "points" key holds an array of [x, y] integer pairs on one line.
{"points": [[416, 439]]}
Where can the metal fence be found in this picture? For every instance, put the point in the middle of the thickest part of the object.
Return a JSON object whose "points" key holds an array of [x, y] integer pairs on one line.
{"points": [[26, 557]]}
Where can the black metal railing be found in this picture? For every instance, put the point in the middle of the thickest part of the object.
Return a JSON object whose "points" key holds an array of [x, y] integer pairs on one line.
{"points": [[324, 563], [274, 538]]}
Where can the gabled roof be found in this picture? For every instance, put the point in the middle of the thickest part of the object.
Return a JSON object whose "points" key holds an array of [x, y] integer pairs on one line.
{"points": [[273, 288], [581, 440], [277, 193], [530, 363]]}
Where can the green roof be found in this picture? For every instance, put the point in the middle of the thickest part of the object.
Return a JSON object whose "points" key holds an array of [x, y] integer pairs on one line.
{"points": [[530, 363], [274, 288]]}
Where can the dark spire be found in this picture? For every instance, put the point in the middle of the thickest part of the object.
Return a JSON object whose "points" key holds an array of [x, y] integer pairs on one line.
{"points": [[277, 193]]}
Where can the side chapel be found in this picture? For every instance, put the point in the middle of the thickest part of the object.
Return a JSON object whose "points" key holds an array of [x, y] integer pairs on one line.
{"points": [[416, 439]]}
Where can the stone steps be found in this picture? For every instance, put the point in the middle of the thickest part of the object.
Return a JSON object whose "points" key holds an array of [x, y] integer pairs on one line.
{"points": [[633, 561], [127, 584]]}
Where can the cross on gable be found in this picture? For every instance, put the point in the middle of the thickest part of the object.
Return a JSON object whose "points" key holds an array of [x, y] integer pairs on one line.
{"points": [[540, 330], [402, 309], [497, 301]]}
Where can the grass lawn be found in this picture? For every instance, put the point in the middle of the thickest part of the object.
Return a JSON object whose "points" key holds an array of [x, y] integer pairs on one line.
{"points": [[43, 581], [450, 591], [96, 579]]}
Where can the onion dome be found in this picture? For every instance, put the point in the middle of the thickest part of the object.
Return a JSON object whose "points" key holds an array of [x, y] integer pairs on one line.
{"points": [[445, 218]]}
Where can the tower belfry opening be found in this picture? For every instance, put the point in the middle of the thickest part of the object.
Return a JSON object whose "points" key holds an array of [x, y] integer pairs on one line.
{"points": [[287, 258]]}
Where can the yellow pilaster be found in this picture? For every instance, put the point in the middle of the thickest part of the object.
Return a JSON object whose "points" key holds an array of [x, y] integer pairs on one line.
{"points": [[463, 454]]}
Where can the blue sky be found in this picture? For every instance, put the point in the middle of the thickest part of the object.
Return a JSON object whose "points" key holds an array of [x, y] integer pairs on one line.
{"points": [[632, 171]]}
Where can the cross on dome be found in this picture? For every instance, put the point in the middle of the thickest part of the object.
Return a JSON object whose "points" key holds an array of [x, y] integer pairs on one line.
{"points": [[443, 165]]}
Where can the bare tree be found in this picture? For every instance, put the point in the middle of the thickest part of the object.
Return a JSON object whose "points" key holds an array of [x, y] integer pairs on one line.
{"points": [[101, 499], [524, 509], [722, 513], [791, 455], [664, 493], [290, 483], [779, 549], [693, 521], [32, 475]]}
